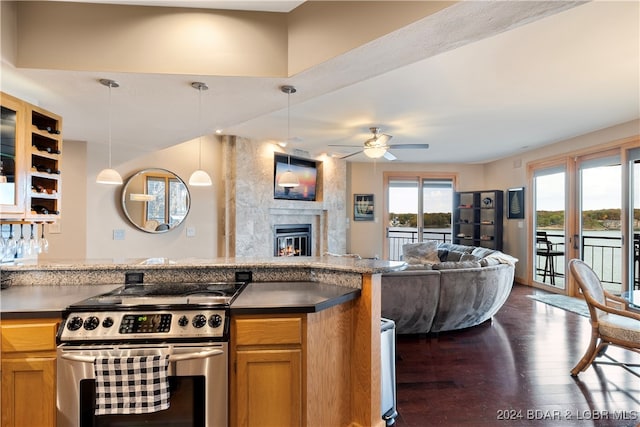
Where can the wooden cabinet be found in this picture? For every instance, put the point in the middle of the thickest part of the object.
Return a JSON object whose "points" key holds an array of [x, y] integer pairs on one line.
{"points": [[477, 218], [43, 200], [30, 183], [297, 370], [28, 372], [268, 371]]}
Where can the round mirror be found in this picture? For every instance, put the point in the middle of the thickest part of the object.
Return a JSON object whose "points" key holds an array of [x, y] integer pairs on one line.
{"points": [[155, 200]]}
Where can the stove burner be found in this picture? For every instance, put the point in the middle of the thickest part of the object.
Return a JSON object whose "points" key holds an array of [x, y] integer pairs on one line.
{"points": [[217, 293]]}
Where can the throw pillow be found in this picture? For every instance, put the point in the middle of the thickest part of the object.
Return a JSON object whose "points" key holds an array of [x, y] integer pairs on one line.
{"points": [[421, 253], [454, 255]]}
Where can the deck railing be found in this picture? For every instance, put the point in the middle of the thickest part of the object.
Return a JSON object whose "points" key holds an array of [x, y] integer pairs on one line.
{"points": [[602, 253]]}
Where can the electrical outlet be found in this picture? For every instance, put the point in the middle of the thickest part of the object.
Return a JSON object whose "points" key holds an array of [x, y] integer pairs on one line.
{"points": [[118, 234]]}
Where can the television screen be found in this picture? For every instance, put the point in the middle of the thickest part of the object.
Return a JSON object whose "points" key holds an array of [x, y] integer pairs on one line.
{"points": [[305, 170]]}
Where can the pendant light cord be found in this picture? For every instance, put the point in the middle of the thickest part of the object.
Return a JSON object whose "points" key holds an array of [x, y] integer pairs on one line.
{"points": [[200, 126], [289, 124], [110, 85]]}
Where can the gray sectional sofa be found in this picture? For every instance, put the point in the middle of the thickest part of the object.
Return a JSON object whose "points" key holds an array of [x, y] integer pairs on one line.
{"points": [[446, 287]]}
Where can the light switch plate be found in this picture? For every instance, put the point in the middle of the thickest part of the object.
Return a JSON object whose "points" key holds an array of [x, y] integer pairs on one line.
{"points": [[118, 234]]}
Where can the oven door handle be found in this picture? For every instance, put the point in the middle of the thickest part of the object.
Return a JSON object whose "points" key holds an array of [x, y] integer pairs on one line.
{"points": [[172, 358]]}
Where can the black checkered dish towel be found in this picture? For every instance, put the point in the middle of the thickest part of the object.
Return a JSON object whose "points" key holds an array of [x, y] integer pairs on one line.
{"points": [[131, 385]]}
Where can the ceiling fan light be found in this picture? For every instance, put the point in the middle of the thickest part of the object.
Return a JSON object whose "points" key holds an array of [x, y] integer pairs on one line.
{"points": [[199, 178], [288, 180], [375, 152], [109, 176]]}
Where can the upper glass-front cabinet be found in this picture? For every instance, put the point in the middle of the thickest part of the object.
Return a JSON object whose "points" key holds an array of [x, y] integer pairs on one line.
{"points": [[12, 125]]}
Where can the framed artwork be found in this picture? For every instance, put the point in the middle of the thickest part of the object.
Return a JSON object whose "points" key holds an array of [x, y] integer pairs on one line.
{"points": [[363, 207], [515, 203]]}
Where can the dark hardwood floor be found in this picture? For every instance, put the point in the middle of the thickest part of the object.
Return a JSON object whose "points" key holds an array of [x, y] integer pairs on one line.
{"points": [[513, 371]]}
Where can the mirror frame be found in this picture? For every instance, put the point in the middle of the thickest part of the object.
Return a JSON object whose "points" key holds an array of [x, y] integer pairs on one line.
{"points": [[125, 194]]}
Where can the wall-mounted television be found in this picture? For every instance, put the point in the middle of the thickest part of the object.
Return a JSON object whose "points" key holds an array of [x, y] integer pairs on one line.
{"points": [[306, 171]]}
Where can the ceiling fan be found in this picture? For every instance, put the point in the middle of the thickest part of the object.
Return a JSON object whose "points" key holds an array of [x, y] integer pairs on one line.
{"points": [[378, 146]]}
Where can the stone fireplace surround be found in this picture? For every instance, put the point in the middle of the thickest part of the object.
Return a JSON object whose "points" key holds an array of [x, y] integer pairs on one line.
{"points": [[251, 212]]}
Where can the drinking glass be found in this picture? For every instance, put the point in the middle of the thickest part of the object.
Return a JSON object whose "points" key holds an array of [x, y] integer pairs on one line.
{"points": [[3, 243], [11, 245], [44, 243], [22, 248], [34, 242]]}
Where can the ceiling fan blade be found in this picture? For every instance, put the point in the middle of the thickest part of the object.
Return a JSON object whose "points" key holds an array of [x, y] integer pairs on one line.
{"points": [[409, 146], [352, 154], [387, 155]]}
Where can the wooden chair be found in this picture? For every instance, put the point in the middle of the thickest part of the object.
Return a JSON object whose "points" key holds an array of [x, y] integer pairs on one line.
{"points": [[544, 248], [609, 325]]}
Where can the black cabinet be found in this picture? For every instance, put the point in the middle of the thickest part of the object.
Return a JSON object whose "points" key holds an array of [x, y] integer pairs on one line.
{"points": [[477, 218]]}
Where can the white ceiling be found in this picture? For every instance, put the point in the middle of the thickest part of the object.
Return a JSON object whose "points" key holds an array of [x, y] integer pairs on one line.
{"points": [[475, 94]]}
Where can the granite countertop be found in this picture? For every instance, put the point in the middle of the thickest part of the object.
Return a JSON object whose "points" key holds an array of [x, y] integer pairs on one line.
{"points": [[45, 301], [272, 297], [290, 297], [338, 263]]}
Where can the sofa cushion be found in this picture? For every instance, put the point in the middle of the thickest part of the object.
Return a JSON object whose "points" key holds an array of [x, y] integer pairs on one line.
{"points": [[427, 266], [452, 265], [482, 252], [486, 262], [421, 253], [453, 247], [460, 256]]}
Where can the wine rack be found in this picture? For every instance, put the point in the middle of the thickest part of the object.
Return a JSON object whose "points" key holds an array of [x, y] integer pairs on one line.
{"points": [[44, 178], [477, 218]]}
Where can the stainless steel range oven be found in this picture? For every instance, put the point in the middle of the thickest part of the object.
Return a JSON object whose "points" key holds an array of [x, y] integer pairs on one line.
{"points": [[184, 323]]}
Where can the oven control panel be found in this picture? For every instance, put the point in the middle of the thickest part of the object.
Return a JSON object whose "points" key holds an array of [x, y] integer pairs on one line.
{"points": [[132, 325]]}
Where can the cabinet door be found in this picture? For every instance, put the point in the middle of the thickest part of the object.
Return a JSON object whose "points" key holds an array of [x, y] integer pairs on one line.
{"points": [[269, 384], [28, 392], [12, 175]]}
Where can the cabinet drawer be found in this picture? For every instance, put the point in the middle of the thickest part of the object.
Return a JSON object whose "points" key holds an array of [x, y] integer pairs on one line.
{"points": [[28, 337], [269, 331]]}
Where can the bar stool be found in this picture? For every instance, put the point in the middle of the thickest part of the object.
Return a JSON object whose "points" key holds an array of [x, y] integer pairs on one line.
{"points": [[636, 261], [544, 248]]}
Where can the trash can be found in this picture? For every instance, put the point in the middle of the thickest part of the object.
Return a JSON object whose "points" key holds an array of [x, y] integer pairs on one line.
{"points": [[388, 371]]}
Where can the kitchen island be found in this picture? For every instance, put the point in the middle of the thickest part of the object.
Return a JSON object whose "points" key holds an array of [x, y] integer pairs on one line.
{"points": [[332, 350]]}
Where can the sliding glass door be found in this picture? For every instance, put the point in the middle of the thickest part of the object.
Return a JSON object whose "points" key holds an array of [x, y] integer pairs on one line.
{"points": [[418, 209], [549, 237], [600, 239], [633, 279], [587, 207]]}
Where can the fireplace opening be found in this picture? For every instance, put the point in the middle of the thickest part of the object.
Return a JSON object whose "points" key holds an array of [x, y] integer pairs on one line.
{"points": [[292, 239]]}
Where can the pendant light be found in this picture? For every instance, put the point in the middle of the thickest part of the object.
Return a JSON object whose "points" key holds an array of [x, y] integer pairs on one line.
{"points": [[109, 175], [200, 178], [288, 179]]}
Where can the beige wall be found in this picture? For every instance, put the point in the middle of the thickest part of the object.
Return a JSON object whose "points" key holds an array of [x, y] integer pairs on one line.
{"points": [[72, 243], [144, 39]]}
